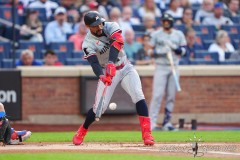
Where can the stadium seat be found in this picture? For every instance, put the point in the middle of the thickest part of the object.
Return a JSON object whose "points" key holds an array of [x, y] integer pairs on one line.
{"points": [[7, 63], [5, 50], [78, 54], [227, 55], [139, 28], [201, 61], [6, 13], [234, 36], [63, 47], [236, 19], [183, 61], [230, 62], [203, 54], [36, 47], [205, 29], [207, 43], [231, 28], [62, 56], [236, 43], [76, 61], [180, 27]]}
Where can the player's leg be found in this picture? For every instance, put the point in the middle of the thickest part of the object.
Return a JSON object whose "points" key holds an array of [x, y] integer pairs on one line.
{"points": [[19, 136], [90, 118], [170, 100], [132, 85], [159, 86]]}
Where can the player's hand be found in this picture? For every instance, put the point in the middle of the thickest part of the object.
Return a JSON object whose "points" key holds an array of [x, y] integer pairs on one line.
{"points": [[110, 69], [106, 79]]}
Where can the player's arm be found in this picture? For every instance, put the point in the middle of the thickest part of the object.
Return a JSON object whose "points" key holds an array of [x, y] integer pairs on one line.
{"points": [[116, 44], [97, 69]]}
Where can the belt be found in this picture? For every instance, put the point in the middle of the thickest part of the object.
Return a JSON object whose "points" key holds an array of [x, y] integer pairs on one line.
{"points": [[120, 66]]}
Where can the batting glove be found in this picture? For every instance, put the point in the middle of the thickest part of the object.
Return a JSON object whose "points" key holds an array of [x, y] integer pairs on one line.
{"points": [[110, 69], [106, 79]]}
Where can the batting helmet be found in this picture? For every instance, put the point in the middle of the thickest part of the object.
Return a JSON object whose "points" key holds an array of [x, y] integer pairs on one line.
{"points": [[93, 18], [168, 17]]}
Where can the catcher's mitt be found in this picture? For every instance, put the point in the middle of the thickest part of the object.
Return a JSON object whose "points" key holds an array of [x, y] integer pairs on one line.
{"points": [[5, 131]]}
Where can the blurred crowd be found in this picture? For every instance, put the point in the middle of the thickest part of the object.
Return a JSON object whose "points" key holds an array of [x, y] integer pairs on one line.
{"points": [[51, 32]]}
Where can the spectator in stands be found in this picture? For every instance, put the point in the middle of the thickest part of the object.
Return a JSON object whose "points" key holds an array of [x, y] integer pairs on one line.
{"points": [[93, 5], [233, 9], [149, 23], [47, 4], [221, 45], [57, 30], [162, 4], [130, 45], [217, 19], [78, 38], [32, 29], [127, 16], [187, 18], [205, 11], [149, 7], [142, 56], [27, 59], [192, 44], [115, 16], [51, 59], [175, 9]]}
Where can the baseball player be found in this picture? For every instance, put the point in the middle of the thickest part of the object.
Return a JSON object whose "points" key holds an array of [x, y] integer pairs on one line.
{"points": [[7, 134], [103, 48], [164, 41]]}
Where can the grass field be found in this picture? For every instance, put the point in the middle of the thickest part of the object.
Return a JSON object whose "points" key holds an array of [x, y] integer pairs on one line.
{"points": [[134, 136], [121, 136]]}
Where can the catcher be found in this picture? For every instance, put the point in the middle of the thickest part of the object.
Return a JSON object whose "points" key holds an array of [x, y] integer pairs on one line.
{"points": [[7, 134]]}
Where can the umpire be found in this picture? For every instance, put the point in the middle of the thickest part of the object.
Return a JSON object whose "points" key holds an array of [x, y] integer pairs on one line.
{"points": [[164, 41]]}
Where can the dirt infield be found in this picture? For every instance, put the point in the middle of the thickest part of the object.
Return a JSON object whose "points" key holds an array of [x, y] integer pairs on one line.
{"points": [[219, 150]]}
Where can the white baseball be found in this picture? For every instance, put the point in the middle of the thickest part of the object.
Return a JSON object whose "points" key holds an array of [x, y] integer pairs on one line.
{"points": [[112, 106]]}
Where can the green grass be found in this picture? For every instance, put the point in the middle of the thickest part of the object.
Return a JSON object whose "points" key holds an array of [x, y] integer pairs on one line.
{"points": [[135, 136], [91, 156]]}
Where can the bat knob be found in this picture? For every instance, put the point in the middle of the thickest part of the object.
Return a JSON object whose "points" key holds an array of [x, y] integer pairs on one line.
{"points": [[97, 119]]}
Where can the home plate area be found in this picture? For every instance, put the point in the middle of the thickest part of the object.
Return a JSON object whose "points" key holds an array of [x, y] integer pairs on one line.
{"points": [[221, 150]]}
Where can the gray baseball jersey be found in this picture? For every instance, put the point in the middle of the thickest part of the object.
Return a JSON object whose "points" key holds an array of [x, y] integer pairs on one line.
{"points": [[100, 46], [157, 40], [126, 75]]}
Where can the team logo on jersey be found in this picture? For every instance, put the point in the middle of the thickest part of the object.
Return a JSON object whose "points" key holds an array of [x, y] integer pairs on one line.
{"points": [[105, 48]]}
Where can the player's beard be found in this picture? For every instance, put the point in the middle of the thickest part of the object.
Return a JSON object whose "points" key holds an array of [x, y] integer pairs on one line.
{"points": [[98, 33]]}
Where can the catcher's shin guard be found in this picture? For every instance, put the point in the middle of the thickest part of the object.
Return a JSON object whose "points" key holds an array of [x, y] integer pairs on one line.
{"points": [[146, 130], [79, 136]]}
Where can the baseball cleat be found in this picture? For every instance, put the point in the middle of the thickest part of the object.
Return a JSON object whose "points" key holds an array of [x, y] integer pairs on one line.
{"points": [[146, 131], [79, 136], [148, 139], [169, 127]]}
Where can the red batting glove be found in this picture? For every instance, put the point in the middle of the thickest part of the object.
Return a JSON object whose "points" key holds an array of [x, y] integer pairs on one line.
{"points": [[110, 69], [106, 79]]}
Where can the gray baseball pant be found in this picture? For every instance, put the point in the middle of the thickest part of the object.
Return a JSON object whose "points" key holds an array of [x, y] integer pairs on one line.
{"points": [[163, 83]]}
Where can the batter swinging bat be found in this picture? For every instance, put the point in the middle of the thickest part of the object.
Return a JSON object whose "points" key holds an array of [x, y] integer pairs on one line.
{"points": [[100, 104], [170, 58]]}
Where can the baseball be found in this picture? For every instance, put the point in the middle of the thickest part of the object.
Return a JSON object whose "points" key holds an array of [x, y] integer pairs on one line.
{"points": [[112, 106]]}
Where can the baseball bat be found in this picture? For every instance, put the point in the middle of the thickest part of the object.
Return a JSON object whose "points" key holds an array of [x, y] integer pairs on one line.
{"points": [[100, 104], [170, 58]]}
